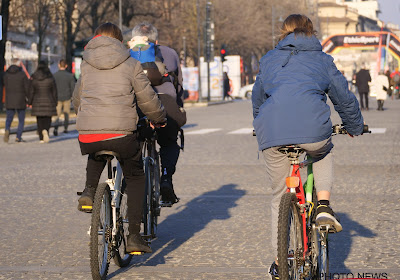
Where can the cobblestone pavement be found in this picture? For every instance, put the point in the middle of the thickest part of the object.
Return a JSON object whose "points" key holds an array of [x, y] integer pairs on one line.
{"points": [[220, 228]]}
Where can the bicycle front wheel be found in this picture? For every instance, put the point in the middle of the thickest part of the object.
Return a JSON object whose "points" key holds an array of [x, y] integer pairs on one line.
{"points": [[290, 239], [122, 258], [101, 233]]}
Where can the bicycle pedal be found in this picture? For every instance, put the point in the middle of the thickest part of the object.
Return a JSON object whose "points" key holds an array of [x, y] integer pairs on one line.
{"points": [[87, 207], [136, 253]]}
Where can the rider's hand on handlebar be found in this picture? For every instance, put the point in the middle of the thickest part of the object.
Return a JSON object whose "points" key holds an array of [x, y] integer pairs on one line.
{"points": [[157, 125]]}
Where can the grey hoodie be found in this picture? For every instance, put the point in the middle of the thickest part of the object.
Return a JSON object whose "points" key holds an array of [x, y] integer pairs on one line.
{"points": [[110, 86]]}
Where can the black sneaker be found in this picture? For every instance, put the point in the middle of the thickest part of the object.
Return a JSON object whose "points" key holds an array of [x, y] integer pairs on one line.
{"points": [[135, 243], [326, 216], [167, 192], [86, 199], [19, 140], [273, 271]]}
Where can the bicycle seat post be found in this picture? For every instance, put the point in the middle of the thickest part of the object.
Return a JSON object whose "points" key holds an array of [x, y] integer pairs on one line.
{"points": [[109, 168]]}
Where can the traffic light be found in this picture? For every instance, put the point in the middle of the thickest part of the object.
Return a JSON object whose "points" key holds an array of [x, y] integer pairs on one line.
{"points": [[223, 53]]}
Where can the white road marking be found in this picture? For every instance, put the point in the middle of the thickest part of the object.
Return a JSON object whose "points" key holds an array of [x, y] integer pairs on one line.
{"points": [[202, 131], [242, 131], [378, 130]]}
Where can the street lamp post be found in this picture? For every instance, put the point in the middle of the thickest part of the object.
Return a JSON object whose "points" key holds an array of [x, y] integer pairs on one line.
{"points": [[120, 14]]}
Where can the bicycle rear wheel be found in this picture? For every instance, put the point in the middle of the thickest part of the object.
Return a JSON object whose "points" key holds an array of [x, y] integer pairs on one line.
{"points": [[290, 239], [121, 257], [155, 197], [147, 217], [100, 233]]}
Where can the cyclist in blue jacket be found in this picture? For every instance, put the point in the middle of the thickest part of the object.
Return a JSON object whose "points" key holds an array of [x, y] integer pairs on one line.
{"points": [[289, 107]]}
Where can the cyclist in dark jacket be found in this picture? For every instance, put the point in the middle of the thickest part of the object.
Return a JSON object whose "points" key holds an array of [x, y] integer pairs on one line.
{"points": [[16, 85], [289, 107], [172, 99], [110, 87]]}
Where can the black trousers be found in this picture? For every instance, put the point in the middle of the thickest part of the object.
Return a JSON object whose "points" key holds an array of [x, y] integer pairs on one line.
{"points": [[43, 123], [129, 148], [169, 148], [365, 96]]}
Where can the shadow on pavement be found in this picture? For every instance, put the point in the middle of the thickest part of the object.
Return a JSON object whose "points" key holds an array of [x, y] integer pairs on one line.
{"points": [[178, 228], [340, 244]]}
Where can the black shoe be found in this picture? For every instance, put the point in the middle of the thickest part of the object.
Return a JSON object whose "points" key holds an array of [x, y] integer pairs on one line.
{"points": [[273, 270], [66, 131], [19, 140], [326, 216], [86, 199], [135, 243], [55, 131], [167, 192]]}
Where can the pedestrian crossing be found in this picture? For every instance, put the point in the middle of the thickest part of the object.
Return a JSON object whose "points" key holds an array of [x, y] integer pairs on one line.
{"points": [[249, 131]]}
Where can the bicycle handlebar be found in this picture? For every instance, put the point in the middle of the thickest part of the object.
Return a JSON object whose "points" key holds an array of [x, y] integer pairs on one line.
{"points": [[339, 129]]}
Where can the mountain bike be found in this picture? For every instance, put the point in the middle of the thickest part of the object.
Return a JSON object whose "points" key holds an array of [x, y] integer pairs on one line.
{"points": [[303, 251]]}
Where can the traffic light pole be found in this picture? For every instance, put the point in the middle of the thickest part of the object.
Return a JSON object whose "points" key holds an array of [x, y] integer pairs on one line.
{"points": [[200, 97]]}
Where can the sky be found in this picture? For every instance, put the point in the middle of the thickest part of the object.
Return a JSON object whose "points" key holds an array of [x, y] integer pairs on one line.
{"points": [[390, 11]]}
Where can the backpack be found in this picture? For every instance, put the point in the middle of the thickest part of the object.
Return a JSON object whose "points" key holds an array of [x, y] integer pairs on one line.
{"points": [[396, 78], [152, 63]]}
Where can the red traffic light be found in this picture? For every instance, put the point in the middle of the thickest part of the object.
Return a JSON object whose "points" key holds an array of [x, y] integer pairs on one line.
{"points": [[223, 51]]}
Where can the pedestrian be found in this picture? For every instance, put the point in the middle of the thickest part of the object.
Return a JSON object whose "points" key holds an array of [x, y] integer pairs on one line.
{"points": [[395, 77], [65, 82], [43, 98], [381, 86], [289, 108], [362, 79], [226, 86], [111, 88], [16, 85], [171, 95], [390, 88]]}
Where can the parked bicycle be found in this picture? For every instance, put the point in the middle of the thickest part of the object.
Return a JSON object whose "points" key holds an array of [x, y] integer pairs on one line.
{"points": [[303, 251]]}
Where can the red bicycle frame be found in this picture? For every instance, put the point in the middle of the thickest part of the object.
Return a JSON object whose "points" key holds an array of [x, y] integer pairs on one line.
{"points": [[302, 200]]}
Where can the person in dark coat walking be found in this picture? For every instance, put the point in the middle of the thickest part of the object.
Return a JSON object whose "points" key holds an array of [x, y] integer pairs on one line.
{"points": [[43, 98], [65, 82], [362, 79], [226, 86], [16, 85]]}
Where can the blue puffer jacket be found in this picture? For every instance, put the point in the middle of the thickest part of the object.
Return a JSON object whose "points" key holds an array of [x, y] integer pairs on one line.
{"points": [[289, 95]]}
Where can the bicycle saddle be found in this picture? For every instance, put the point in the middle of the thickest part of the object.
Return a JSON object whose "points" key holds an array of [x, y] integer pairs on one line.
{"points": [[106, 155], [290, 149]]}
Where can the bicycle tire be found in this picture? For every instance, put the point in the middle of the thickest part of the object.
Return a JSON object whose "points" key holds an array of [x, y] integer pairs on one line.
{"points": [[121, 257], [100, 233], [155, 201], [147, 200], [290, 239], [323, 260]]}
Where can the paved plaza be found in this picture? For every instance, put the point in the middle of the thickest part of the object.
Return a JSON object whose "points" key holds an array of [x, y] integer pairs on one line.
{"points": [[221, 227]]}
